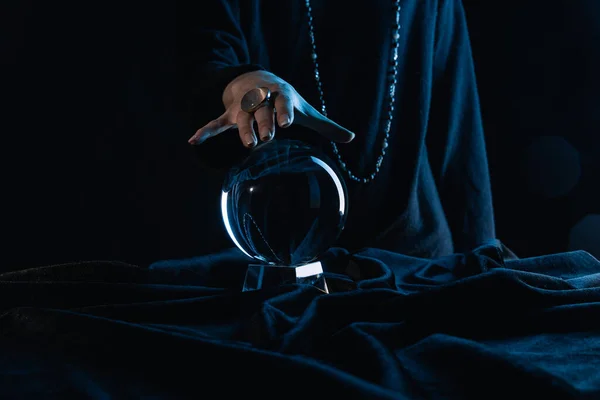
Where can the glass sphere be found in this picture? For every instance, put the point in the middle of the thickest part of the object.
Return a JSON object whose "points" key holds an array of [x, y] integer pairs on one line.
{"points": [[285, 204]]}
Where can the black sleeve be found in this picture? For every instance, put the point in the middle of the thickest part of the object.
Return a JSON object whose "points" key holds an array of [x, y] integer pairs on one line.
{"points": [[217, 52], [455, 136]]}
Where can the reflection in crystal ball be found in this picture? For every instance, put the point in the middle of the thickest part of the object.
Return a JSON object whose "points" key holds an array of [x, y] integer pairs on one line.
{"points": [[285, 204]]}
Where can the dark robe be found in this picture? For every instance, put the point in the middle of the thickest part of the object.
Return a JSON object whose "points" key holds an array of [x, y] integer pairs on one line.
{"points": [[432, 196]]}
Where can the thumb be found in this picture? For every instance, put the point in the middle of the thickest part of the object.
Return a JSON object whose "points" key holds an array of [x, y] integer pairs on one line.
{"points": [[211, 129]]}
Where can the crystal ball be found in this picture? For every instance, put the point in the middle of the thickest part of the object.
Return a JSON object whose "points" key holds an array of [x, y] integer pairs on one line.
{"points": [[285, 204]]}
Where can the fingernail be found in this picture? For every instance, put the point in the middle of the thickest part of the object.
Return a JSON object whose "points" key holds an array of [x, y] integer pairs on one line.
{"points": [[285, 120], [267, 136], [250, 143], [193, 140]]}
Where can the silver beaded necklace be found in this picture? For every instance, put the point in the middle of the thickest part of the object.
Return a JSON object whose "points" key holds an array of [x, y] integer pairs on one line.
{"points": [[390, 95]]}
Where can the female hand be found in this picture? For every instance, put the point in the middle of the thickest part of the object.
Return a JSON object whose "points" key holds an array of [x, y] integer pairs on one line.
{"points": [[286, 107]]}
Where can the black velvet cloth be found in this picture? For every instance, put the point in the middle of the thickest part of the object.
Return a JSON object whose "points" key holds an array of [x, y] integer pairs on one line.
{"points": [[432, 195], [477, 325]]}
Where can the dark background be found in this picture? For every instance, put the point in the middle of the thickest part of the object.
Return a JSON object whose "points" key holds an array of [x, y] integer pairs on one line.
{"points": [[95, 163]]}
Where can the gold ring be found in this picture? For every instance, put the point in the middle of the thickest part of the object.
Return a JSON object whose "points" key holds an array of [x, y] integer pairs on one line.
{"points": [[255, 99]]}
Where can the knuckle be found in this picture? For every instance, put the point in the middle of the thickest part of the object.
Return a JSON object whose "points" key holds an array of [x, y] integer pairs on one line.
{"points": [[285, 101], [245, 136], [283, 89], [264, 124], [281, 86], [245, 130]]}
